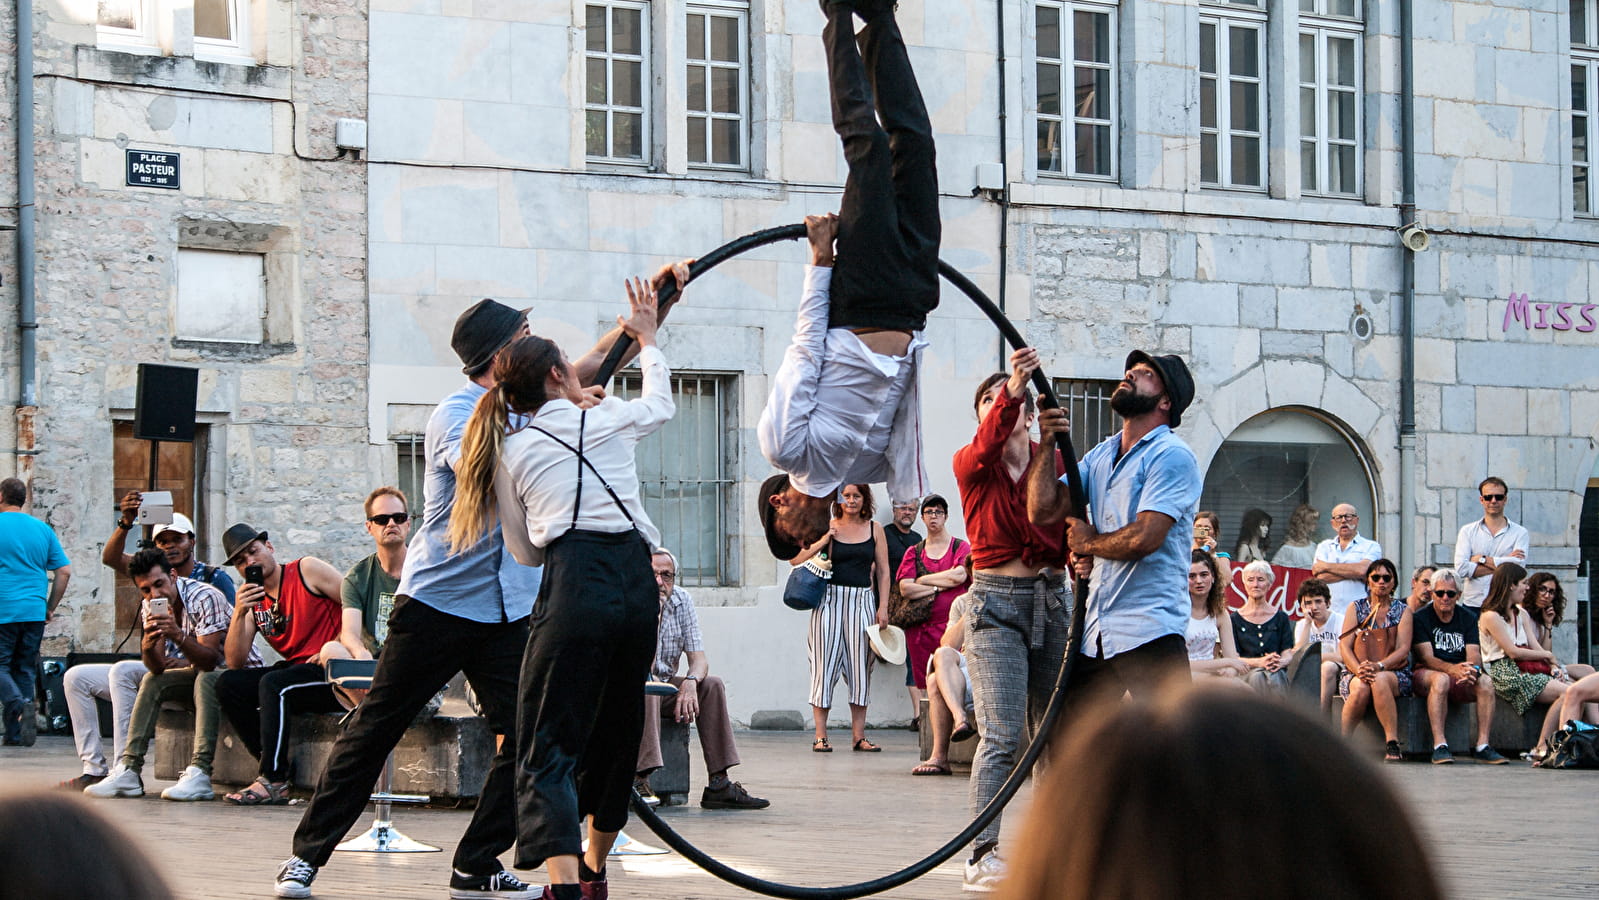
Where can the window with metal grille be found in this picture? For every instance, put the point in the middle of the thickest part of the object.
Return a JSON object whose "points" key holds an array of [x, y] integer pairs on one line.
{"points": [[1232, 92], [685, 476], [616, 105], [1076, 51], [411, 472], [1087, 403], [1584, 87], [717, 41], [1330, 37]]}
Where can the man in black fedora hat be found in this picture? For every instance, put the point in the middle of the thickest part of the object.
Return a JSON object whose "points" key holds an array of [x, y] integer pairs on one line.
{"points": [[463, 612], [1142, 487]]}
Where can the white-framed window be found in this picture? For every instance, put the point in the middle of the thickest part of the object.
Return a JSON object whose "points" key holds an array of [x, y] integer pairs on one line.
{"points": [[717, 84], [616, 105], [222, 297], [1584, 88], [685, 473], [1075, 51], [1232, 95], [130, 22], [1329, 96], [220, 28]]}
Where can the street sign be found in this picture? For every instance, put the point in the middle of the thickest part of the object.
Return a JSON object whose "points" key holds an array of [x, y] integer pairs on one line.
{"points": [[153, 169]]}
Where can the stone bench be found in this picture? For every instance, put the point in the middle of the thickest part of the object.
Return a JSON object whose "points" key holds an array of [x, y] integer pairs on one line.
{"points": [[1511, 734], [671, 781]]}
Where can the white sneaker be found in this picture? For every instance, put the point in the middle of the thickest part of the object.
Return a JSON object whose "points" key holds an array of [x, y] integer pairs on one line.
{"points": [[194, 785], [122, 782], [984, 876]]}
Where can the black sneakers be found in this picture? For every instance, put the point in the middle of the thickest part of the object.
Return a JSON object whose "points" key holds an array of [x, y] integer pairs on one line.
{"points": [[502, 885], [1441, 755], [294, 878], [1489, 756], [731, 796]]}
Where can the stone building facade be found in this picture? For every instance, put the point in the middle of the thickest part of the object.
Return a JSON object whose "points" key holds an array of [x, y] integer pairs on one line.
{"points": [[251, 269]]}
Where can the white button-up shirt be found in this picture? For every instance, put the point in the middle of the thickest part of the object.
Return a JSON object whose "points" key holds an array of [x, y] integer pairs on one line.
{"points": [[1476, 539], [536, 485], [1359, 550], [839, 413]]}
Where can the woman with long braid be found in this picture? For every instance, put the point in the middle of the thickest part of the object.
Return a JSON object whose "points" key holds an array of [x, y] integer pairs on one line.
{"points": [[567, 494]]}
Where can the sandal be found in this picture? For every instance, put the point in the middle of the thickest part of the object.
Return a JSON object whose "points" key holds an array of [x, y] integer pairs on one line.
{"points": [[964, 733], [821, 746], [930, 768], [864, 746], [261, 793]]}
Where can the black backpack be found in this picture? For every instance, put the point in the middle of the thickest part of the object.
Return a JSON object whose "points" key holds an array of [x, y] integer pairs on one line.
{"points": [[1575, 746]]}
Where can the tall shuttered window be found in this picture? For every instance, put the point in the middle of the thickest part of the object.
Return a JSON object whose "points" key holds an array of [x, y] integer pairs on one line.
{"points": [[1075, 70], [1232, 94], [616, 105], [717, 41], [1329, 96]]}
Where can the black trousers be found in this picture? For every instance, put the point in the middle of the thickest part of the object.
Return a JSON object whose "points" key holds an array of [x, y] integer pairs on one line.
{"points": [[582, 694], [258, 703], [1139, 671], [423, 651], [885, 274]]}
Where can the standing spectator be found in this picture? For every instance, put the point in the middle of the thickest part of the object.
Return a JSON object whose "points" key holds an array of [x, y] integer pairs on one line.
{"points": [[1546, 603], [1318, 625], [1207, 537], [185, 635], [294, 607], [176, 539], [1420, 588], [1486, 542], [1524, 673], [857, 597], [1264, 633], [937, 568], [1142, 488], [1299, 544], [34, 572], [1254, 537], [1342, 561], [701, 697], [1017, 615], [1449, 668], [1380, 683], [1211, 650], [901, 537]]}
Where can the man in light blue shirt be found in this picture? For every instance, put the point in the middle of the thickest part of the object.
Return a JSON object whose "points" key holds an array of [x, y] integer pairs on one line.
{"points": [[1142, 487], [33, 577]]}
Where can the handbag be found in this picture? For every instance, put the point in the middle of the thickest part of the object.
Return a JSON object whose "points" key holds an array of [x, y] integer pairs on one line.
{"points": [[1575, 746], [1373, 645], [1535, 666], [807, 583], [907, 613]]}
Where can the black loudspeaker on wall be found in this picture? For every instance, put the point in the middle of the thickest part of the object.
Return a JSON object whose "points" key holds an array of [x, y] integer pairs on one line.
{"points": [[166, 399]]}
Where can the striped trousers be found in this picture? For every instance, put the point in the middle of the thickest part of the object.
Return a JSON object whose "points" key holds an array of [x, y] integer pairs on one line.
{"points": [[838, 644]]}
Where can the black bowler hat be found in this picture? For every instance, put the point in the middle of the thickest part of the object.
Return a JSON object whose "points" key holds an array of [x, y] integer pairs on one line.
{"points": [[236, 538], [481, 331], [1174, 376], [781, 547]]}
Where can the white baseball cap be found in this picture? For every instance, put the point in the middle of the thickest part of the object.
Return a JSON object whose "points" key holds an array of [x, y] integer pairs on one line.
{"points": [[180, 523]]}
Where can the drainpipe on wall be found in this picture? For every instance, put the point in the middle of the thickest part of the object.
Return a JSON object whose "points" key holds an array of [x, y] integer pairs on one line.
{"points": [[1004, 180], [1409, 543], [27, 324]]}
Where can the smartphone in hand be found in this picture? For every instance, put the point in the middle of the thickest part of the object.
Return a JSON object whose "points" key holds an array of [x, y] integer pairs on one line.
{"points": [[160, 607], [254, 575]]}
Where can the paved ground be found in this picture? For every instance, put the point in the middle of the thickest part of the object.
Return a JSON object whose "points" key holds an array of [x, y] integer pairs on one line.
{"points": [[839, 818]]}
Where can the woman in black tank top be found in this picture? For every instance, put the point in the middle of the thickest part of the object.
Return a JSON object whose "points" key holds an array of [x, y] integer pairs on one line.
{"points": [[857, 598]]}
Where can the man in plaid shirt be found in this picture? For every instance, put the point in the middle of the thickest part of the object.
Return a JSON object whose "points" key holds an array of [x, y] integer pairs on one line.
{"points": [[701, 697], [185, 626]]}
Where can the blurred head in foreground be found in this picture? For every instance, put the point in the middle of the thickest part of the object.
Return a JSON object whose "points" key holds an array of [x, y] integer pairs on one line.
{"points": [[56, 848], [1211, 792]]}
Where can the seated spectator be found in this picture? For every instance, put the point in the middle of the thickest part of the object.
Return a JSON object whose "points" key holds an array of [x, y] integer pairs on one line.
{"points": [[57, 848], [950, 707], [1319, 625], [1211, 651], [1254, 538], [938, 568], [1264, 633], [293, 607], [367, 592], [1581, 701], [1546, 603], [1114, 817], [1377, 684], [1420, 588], [186, 626], [1207, 537], [1299, 543], [176, 540], [1523, 671], [1449, 667], [701, 697]]}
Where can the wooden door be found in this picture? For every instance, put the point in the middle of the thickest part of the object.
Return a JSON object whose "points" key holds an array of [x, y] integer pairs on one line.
{"points": [[176, 473]]}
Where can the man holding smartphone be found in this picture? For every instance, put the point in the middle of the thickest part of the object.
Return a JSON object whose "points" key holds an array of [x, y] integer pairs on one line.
{"points": [[185, 628], [295, 607]]}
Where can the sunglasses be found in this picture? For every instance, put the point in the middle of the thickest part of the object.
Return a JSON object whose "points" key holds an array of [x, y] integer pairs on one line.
{"points": [[382, 519], [1379, 577], [1445, 594], [1493, 498]]}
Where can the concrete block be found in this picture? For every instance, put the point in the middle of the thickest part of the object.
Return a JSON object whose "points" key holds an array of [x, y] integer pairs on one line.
{"points": [[445, 57], [1549, 516], [1330, 265], [1448, 456], [1501, 410], [1344, 400], [1257, 305], [1458, 407], [777, 720], [1435, 360], [1153, 254], [1203, 303], [498, 272], [1530, 190], [418, 128], [1296, 344], [1232, 404], [1313, 309], [1294, 382]]}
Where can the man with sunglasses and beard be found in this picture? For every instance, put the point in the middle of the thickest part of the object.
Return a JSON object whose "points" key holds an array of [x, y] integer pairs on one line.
{"points": [[1142, 485]]}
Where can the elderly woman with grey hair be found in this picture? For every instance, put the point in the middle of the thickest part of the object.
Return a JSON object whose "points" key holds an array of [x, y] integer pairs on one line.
{"points": [[1264, 633]]}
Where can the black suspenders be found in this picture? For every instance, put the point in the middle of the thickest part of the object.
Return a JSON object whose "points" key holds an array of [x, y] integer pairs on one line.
{"points": [[583, 461]]}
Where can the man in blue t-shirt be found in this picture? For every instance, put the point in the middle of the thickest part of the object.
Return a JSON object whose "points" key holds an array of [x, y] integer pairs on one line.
{"points": [[1142, 486], [33, 576], [1449, 667]]}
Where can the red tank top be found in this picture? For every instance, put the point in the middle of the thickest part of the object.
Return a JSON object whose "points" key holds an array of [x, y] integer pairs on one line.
{"points": [[302, 619]]}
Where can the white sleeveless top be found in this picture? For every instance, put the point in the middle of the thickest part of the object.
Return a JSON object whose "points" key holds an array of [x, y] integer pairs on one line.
{"points": [[1202, 637], [1490, 648]]}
